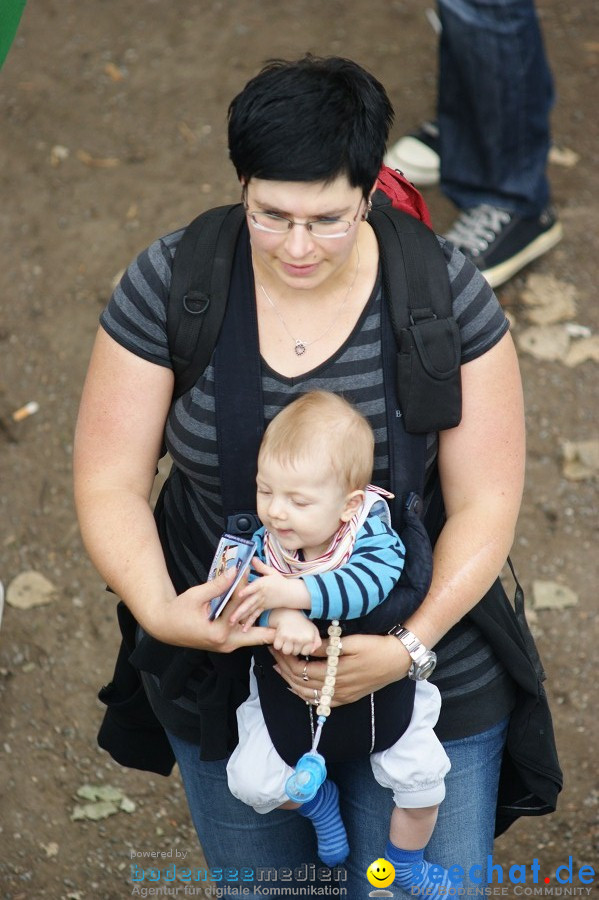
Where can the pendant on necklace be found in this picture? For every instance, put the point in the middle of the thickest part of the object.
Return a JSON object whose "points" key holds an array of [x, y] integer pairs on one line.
{"points": [[300, 347]]}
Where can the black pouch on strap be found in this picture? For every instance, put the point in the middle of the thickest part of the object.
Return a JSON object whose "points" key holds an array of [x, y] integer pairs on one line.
{"points": [[428, 363], [416, 283]]}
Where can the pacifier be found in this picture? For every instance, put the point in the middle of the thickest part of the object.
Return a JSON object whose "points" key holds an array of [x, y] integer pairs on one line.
{"points": [[309, 774]]}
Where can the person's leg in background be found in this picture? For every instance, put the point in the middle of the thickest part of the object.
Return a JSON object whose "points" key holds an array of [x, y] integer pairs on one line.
{"points": [[495, 92], [492, 134]]}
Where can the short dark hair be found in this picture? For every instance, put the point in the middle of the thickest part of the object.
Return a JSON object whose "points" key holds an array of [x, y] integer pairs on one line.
{"points": [[312, 119]]}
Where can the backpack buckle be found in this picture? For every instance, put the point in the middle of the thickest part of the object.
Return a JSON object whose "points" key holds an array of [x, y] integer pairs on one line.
{"points": [[196, 302], [243, 523], [424, 314]]}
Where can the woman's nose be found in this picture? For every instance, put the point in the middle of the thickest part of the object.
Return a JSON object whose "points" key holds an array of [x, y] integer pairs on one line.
{"points": [[299, 241]]}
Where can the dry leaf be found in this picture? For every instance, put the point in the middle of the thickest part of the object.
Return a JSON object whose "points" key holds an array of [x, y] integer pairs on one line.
{"points": [[558, 310], [94, 811], [30, 589], [94, 162], [581, 351], [549, 300], [99, 792], [551, 595], [546, 342], [581, 459], [105, 800]]}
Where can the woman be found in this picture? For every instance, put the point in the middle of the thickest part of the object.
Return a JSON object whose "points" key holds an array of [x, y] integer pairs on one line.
{"points": [[307, 139]]}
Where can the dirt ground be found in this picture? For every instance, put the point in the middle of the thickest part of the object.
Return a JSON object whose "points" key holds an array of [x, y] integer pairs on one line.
{"points": [[113, 132]]}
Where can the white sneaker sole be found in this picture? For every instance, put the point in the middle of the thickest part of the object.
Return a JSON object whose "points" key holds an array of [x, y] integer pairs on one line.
{"points": [[415, 160], [502, 272]]}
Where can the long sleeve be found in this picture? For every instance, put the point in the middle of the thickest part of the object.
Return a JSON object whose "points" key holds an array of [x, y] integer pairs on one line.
{"points": [[359, 586]]}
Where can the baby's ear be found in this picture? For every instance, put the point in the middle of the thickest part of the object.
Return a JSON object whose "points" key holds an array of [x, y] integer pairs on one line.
{"points": [[353, 502]]}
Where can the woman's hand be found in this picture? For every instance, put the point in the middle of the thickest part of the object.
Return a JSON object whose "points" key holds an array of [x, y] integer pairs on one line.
{"points": [[367, 663], [184, 621]]}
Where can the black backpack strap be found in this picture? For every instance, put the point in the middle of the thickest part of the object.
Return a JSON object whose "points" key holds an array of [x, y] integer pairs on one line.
{"points": [[238, 398], [407, 452], [416, 285], [199, 290]]}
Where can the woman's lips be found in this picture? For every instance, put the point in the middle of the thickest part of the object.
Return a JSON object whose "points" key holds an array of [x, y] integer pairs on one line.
{"points": [[299, 271]]}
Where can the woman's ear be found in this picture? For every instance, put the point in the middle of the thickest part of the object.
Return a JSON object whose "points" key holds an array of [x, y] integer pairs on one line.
{"points": [[353, 502], [369, 202]]}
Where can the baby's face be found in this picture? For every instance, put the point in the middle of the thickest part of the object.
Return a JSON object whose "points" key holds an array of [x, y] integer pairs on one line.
{"points": [[302, 505]]}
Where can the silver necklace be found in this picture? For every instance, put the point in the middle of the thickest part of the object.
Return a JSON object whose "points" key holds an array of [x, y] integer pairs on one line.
{"points": [[300, 346]]}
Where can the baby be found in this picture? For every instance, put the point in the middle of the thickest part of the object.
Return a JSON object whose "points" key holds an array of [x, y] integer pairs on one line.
{"points": [[325, 552]]}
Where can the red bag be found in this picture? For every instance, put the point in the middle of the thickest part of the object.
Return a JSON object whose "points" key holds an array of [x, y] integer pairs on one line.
{"points": [[403, 194]]}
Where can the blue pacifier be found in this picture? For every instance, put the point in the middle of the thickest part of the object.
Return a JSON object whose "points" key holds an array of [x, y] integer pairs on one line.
{"points": [[309, 774]]}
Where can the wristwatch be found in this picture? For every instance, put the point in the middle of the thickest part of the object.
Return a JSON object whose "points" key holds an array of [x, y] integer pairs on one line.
{"points": [[423, 660]]}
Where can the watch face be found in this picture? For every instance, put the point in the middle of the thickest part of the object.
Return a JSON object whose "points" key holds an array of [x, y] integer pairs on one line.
{"points": [[422, 671]]}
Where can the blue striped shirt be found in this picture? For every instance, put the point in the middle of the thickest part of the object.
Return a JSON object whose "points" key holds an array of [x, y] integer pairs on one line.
{"points": [[364, 581]]}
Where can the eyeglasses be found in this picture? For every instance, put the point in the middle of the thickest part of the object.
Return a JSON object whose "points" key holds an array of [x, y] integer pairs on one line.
{"points": [[272, 223]]}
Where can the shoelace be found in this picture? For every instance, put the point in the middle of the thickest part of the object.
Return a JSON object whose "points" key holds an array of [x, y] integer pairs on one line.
{"points": [[475, 228]]}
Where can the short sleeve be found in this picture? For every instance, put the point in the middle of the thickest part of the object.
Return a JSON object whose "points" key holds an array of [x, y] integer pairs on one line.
{"points": [[136, 313], [476, 309]]}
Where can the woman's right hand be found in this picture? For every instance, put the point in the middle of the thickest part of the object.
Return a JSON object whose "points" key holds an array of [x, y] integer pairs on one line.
{"points": [[184, 621]]}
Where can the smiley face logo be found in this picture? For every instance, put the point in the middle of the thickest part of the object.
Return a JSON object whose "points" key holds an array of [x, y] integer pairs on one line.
{"points": [[380, 873]]}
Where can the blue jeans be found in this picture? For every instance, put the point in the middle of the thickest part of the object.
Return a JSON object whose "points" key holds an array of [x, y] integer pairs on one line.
{"points": [[232, 834], [494, 97]]}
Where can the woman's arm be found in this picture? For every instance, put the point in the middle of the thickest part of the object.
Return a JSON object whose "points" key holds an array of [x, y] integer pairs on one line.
{"points": [[481, 466], [118, 441]]}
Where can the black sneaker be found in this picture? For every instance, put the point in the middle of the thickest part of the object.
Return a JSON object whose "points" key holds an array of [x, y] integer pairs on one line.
{"points": [[500, 243], [416, 155]]}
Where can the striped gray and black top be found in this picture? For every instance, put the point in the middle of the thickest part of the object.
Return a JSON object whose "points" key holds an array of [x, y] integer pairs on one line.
{"points": [[136, 318]]}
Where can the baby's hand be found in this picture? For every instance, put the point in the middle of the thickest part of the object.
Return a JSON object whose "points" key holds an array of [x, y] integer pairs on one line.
{"points": [[295, 634], [271, 591]]}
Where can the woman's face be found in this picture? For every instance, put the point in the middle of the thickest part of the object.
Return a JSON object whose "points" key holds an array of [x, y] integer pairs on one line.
{"points": [[297, 258]]}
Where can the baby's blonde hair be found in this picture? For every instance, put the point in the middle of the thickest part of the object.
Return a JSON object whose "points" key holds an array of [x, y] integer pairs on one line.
{"points": [[321, 424]]}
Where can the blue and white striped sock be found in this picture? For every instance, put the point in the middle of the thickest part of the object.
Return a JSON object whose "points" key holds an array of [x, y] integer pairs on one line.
{"points": [[412, 871], [323, 812]]}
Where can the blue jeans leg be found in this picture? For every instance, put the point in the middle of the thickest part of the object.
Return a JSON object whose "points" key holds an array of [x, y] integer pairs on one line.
{"points": [[233, 835], [495, 95]]}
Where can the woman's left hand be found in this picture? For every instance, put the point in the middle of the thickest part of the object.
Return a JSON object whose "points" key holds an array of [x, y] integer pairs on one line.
{"points": [[368, 662]]}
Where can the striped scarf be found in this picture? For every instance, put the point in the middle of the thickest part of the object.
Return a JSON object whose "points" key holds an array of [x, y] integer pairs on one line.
{"points": [[339, 550]]}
